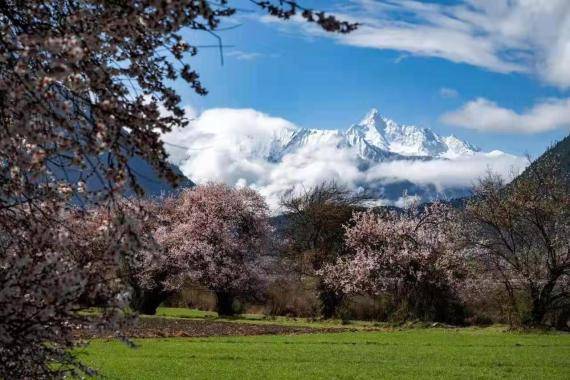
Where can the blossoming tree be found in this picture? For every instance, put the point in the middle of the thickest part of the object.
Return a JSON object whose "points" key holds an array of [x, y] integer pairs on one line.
{"points": [[409, 255], [81, 82], [213, 235]]}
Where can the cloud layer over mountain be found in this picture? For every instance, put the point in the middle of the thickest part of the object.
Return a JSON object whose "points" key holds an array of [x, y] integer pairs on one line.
{"points": [[243, 147]]}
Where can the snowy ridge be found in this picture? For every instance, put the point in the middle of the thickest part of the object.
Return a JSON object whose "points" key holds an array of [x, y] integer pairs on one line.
{"points": [[314, 138], [377, 138], [405, 140]]}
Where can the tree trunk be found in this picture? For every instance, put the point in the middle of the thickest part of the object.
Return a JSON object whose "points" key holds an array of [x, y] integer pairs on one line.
{"points": [[538, 312], [225, 303], [147, 301], [563, 318], [330, 301], [541, 299]]}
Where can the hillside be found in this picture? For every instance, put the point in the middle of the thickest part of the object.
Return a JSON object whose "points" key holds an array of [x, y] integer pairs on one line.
{"points": [[147, 177], [559, 152]]}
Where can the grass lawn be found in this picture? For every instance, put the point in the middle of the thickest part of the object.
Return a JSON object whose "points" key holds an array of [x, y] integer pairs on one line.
{"points": [[412, 353]]}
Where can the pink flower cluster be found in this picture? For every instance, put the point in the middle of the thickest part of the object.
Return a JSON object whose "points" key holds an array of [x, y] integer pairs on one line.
{"points": [[212, 235], [398, 249]]}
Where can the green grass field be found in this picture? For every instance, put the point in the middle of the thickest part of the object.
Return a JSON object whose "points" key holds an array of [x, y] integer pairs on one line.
{"points": [[412, 353]]}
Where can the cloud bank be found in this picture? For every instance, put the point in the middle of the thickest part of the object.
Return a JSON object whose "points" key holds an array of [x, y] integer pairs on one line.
{"points": [[443, 174], [505, 36], [486, 116], [237, 146]]}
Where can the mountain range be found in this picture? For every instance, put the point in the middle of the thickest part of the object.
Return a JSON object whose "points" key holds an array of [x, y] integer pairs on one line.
{"points": [[376, 139], [376, 157]]}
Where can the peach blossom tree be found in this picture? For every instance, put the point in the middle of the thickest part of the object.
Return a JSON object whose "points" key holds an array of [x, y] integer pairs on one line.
{"points": [[81, 84], [213, 235], [408, 255]]}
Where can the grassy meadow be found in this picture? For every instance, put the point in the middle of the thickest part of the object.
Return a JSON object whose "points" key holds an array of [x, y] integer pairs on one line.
{"points": [[359, 354]]}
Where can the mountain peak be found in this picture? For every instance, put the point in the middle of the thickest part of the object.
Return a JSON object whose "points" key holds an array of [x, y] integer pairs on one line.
{"points": [[370, 117], [404, 140]]}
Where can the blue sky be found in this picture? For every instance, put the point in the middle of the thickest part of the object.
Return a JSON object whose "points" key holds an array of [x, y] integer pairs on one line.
{"points": [[319, 81]]}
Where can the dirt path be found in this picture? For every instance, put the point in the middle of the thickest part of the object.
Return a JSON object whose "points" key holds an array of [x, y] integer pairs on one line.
{"points": [[173, 327]]}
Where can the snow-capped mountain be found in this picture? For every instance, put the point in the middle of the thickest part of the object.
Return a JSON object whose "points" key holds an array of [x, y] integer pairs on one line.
{"points": [[403, 140], [377, 157], [377, 138], [314, 138]]}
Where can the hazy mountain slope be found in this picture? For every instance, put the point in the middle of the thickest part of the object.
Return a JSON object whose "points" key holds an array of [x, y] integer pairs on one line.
{"points": [[152, 184], [559, 152]]}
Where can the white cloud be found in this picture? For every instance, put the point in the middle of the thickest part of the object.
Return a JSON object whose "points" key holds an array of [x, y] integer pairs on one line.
{"points": [[308, 167], [453, 45], [448, 93], [227, 145], [407, 201], [443, 174], [243, 55], [499, 35], [237, 146], [484, 115]]}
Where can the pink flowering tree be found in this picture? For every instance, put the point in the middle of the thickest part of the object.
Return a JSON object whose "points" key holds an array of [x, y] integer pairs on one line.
{"points": [[409, 255], [213, 235], [81, 84], [52, 270]]}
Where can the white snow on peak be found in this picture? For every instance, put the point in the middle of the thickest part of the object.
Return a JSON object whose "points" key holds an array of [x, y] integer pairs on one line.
{"points": [[458, 148], [405, 140], [497, 153], [376, 138], [370, 129], [313, 138]]}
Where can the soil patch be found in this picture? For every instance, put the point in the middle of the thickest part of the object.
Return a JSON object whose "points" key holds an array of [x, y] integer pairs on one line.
{"points": [[174, 327]]}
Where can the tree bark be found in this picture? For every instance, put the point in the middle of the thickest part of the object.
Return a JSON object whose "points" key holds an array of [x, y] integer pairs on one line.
{"points": [[563, 319], [330, 301], [146, 301], [224, 304], [541, 300], [538, 312]]}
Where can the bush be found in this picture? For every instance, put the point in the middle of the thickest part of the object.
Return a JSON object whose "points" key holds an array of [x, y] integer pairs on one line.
{"points": [[193, 297], [409, 255], [291, 298]]}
